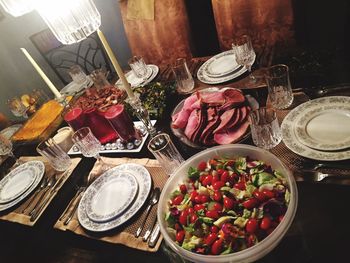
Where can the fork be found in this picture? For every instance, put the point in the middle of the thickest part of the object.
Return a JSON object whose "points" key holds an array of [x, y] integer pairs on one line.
{"points": [[309, 165], [315, 176]]}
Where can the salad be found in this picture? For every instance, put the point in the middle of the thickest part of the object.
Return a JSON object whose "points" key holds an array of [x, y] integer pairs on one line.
{"points": [[227, 205]]}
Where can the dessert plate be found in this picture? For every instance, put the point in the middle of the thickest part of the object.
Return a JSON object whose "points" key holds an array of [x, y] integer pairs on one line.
{"points": [[324, 127], [144, 181], [110, 195], [152, 71], [221, 64], [39, 169], [74, 88]]}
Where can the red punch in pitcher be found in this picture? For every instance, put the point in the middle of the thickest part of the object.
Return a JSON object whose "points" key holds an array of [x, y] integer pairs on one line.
{"points": [[121, 122], [75, 118]]}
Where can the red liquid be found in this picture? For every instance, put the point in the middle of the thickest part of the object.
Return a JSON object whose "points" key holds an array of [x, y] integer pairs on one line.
{"points": [[121, 122], [75, 118], [99, 126]]}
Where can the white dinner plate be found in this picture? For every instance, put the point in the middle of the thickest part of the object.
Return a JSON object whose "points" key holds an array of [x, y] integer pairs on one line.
{"points": [[144, 182], [152, 71], [291, 140], [39, 169], [221, 64], [110, 195], [324, 127]]}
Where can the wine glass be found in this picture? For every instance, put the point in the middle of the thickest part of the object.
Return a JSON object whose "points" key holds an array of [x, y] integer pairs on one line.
{"points": [[89, 145], [244, 53], [17, 107], [6, 149]]}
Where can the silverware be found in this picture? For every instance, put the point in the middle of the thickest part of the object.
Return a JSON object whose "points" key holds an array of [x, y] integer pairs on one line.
{"points": [[154, 236], [80, 189], [310, 165], [58, 183], [41, 187], [315, 176], [87, 181], [50, 183], [152, 201], [314, 92]]}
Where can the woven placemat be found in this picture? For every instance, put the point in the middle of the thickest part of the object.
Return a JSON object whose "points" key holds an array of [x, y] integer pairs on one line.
{"points": [[16, 214], [292, 160], [125, 233]]}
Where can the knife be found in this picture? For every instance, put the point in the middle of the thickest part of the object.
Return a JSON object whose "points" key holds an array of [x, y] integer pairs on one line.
{"points": [[48, 197], [154, 236]]}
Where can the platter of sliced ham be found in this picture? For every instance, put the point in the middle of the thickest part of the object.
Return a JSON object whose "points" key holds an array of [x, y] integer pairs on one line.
{"points": [[212, 116]]}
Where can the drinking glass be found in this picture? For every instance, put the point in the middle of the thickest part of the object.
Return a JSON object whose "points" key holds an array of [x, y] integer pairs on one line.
{"points": [[162, 147], [17, 107], [279, 89], [89, 145], [78, 75], [6, 148], [183, 77], [138, 66], [54, 154], [266, 132], [244, 52]]}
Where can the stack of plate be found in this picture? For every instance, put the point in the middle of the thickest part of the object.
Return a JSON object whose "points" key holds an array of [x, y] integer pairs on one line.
{"points": [[19, 183], [220, 68], [73, 88], [152, 71], [319, 129], [114, 197]]}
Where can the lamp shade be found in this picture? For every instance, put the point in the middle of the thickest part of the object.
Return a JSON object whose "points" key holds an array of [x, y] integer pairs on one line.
{"points": [[70, 20], [17, 7]]}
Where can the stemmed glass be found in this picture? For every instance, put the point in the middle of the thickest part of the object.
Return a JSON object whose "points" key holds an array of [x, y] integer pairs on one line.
{"points": [[6, 149], [17, 107], [244, 53], [89, 145]]}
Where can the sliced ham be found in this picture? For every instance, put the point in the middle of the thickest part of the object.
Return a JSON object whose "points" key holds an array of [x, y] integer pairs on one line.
{"points": [[192, 102], [235, 119], [203, 120], [212, 98], [213, 122], [231, 135], [192, 123], [181, 120], [225, 119], [233, 98]]}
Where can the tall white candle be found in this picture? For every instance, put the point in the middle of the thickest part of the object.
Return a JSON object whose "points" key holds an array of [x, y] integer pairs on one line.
{"points": [[116, 65], [42, 74]]}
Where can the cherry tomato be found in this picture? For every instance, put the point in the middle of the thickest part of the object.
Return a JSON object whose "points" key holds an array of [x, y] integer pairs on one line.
{"points": [[268, 193], [224, 177], [207, 180], [230, 163], [210, 239], [265, 223], [251, 240], [180, 235], [177, 200], [183, 218], [201, 177], [212, 214], [204, 198], [217, 185], [183, 189], [216, 248], [250, 203], [217, 196], [228, 203], [198, 199], [178, 227], [213, 162], [198, 207], [239, 185], [202, 166], [259, 195], [193, 195], [252, 225], [216, 178], [193, 218], [214, 229], [220, 171], [190, 210], [217, 207]]}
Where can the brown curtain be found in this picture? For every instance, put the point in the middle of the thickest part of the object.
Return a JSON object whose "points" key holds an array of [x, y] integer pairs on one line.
{"points": [[162, 40], [268, 22]]}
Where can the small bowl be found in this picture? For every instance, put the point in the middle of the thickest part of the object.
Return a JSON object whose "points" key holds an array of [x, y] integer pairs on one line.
{"points": [[64, 138], [247, 255]]}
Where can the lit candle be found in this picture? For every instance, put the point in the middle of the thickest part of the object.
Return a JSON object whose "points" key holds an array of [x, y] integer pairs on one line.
{"points": [[116, 65], [42, 74]]}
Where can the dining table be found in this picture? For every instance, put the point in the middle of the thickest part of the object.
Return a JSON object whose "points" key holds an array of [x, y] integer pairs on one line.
{"points": [[319, 233]]}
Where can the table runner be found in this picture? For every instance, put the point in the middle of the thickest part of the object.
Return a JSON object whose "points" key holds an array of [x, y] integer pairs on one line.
{"points": [[124, 234], [15, 214]]}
